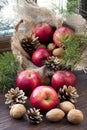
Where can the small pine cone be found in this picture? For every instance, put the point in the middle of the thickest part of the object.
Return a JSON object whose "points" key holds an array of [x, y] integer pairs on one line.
{"points": [[15, 96], [29, 44], [53, 63], [34, 115], [68, 94]]}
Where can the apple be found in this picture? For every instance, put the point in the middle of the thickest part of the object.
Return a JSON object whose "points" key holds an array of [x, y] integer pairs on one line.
{"points": [[44, 98], [28, 80], [61, 34], [44, 32], [40, 55], [61, 78]]}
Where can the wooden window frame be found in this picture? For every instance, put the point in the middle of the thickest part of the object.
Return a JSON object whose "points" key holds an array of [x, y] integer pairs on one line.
{"points": [[5, 43]]}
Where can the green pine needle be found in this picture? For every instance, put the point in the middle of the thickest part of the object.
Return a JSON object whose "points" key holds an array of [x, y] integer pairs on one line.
{"points": [[8, 71], [72, 5], [73, 50]]}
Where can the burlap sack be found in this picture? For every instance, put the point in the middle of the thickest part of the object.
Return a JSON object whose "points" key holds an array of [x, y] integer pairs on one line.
{"points": [[31, 14]]}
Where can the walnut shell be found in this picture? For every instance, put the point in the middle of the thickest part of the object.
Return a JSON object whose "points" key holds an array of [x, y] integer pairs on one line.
{"points": [[59, 52], [42, 46], [17, 111], [75, 116], [55, 115], [66, 106], [51, 46]]}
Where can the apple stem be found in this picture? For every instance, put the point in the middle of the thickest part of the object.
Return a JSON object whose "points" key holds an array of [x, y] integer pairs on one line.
{"points": [[47, 98], [29, 75]]}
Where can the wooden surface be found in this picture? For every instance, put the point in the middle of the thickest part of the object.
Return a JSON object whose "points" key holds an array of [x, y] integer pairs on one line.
{"points": [[7, 123]]}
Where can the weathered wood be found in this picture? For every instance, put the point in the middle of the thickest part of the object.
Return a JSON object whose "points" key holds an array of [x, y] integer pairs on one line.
{"points": [[7, 123], [5, 43]]}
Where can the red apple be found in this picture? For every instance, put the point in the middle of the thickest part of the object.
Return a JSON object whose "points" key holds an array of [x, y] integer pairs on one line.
{"points": [[61, 34], [44, 32], [28, 80], [61, 78], [40, 55], [44, 98]]}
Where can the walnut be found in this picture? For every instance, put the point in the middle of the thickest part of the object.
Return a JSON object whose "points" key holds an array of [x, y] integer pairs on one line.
{"points": [[75, 116], [66, 106], [17, 111], [55, 115]]}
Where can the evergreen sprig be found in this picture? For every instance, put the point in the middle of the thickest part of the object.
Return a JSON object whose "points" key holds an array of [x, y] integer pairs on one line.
{"points": [[73, 50], [72, 5], [8, 71]]}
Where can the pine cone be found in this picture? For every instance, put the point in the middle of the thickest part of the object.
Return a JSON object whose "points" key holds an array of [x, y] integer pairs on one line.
{"points": [[15, 96], [34, 115], [68, 94], [29, 44], [53, 63]]}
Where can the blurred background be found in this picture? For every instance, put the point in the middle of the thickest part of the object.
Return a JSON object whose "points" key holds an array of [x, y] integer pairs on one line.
{"points": [[7, 15]]}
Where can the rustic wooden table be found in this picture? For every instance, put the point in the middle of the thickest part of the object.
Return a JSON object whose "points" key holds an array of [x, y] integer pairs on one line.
{"points": [[7, 123]]}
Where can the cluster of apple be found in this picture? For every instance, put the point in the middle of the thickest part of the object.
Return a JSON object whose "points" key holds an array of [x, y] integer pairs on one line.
{"points": [[50, 42], [44, 97], [41, 96]]}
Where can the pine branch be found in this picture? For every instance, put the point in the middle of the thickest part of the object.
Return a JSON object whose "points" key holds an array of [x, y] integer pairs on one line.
{"points": [[8, 71], [73, 50], [72, 5]]}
